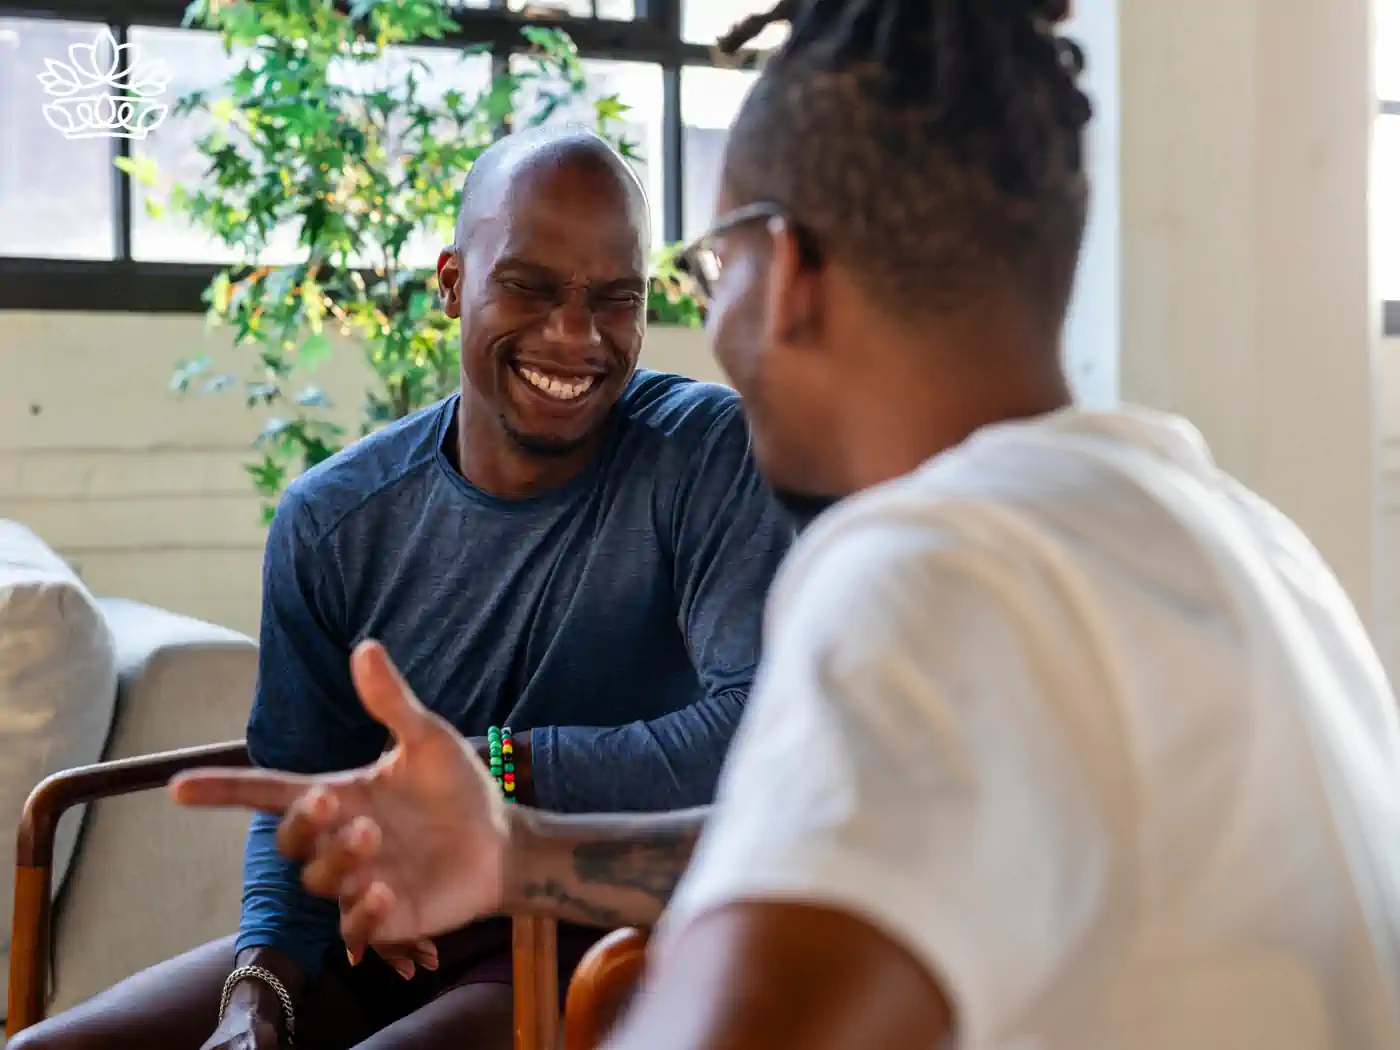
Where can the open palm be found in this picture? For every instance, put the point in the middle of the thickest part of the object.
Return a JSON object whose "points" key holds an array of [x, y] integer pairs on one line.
{"points": [[411, 846]]}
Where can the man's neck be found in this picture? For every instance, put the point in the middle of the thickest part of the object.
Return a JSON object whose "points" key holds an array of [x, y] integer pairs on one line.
{"points": [[895, 430], [911, 388], [484, 454]]}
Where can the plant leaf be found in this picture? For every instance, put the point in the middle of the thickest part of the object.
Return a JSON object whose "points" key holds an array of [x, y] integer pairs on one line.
{"points": [[315, 349]]}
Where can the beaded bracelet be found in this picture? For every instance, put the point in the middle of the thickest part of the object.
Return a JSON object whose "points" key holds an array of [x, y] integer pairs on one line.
{"points": [[501, 752]]}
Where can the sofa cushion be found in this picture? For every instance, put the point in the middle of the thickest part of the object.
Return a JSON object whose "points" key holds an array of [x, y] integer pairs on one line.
{"points": [[58, 690]]}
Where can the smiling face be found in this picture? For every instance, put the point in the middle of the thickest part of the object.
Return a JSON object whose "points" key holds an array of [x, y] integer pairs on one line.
{"points": [[549, 280]]}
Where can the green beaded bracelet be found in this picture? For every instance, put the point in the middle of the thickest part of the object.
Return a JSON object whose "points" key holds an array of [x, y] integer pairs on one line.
{"points": [[500, 750], [507, 764]]}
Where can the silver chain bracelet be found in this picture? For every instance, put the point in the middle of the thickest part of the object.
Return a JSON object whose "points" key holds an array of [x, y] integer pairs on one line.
{"points": [[267, 977]]}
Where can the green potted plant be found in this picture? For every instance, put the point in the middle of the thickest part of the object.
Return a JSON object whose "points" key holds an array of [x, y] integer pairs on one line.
{"points": [[357, 168]]}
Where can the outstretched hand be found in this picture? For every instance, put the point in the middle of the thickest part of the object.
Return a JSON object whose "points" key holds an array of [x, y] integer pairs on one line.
{"points": [[411, 846]]}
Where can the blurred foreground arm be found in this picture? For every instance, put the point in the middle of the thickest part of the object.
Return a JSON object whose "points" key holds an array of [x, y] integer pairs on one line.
{"points": [[421, 842], [784, 976]]}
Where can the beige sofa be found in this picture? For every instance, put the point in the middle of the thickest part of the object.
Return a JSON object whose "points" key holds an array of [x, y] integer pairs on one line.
{"points": [[147, 880]]}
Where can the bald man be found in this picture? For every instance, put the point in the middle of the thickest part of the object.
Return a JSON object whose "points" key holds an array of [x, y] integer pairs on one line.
{"points": [[571, 546]]}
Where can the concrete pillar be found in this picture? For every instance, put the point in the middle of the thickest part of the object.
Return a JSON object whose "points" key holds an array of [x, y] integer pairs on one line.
{"points": [[1246, 297]]}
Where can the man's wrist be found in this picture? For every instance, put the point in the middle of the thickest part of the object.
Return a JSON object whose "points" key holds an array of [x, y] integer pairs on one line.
{"points": [[522, 760], [258, 999], [524, 768]]}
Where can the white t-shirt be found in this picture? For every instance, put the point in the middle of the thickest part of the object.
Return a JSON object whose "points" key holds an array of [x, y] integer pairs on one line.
{"points": [[1092, 731]]}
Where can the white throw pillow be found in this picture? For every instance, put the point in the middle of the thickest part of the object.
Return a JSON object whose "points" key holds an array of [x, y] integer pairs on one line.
{"points": [[58, 691]]}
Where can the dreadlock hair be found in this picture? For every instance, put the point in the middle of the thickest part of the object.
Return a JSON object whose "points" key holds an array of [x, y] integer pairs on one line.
{"points": [[933, 144]]}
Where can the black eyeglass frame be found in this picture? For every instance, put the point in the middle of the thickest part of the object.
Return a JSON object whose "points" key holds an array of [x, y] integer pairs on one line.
{"points": [[698, 261]]}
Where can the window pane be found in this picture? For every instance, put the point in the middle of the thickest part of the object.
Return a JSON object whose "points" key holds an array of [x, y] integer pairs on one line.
{"points": [[710, 100], [55, 192], [197, 61], [618, 10], [637, 86], [1388, 49], [1385, 205], [704, 21]]}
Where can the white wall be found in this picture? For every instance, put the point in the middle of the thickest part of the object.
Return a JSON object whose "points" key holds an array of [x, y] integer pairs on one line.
{"points": [[1247, 303], [144, 490]]}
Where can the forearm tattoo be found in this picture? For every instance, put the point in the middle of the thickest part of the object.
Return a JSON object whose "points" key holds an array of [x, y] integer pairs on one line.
{"points": [[610, 871], [551, 892], [650, 863]]}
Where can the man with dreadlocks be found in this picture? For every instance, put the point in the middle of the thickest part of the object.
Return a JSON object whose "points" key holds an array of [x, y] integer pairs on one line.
{"points": [[1062, 737]]}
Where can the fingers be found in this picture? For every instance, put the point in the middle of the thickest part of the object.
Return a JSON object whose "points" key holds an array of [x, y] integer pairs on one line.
{"points": [[258, 789], [386, 695], [407, 959], [360, 921], [340, 860], [425, 955], [316, 814]]}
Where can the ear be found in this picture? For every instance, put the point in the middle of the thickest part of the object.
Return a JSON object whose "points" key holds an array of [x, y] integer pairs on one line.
{"points": [[794, 302], [449, 275]]}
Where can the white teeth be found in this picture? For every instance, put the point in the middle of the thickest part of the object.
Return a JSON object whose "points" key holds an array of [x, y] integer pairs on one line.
{"points": [[564, 390]]}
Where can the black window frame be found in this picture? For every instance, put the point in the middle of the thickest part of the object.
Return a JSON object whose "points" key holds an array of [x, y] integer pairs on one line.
{"points": [[123, 284]]}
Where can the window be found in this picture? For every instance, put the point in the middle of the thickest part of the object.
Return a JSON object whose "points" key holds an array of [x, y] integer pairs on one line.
{"points": [[200, 63], [1385, 172], [197, 62], [56, 193], [638, 86], [75, 228], [1385, 217], [1388, 50], [710, 99]]}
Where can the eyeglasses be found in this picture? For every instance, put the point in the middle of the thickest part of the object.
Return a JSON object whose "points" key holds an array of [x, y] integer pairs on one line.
{"points": [[699, 261]]}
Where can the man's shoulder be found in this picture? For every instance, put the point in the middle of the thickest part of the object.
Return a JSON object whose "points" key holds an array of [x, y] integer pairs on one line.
{"points": [[678, 410], [1002, 512], [882, 558], [366, 474]]}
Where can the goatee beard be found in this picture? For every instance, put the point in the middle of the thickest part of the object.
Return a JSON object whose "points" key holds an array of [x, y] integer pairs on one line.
{"points": [[804, 508], [544, 447]]}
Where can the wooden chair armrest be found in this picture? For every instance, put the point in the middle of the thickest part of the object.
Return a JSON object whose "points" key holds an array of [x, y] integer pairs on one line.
{"points": [[534, 951], [54, 796], [603, 985]]}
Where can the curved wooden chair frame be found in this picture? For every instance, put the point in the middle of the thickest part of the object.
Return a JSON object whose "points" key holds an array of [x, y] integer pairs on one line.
{"points": [[603, 985], [536, 973]]}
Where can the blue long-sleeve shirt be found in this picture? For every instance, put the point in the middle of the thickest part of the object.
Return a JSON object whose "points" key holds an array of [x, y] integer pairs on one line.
{"points": [[616, 618]]}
